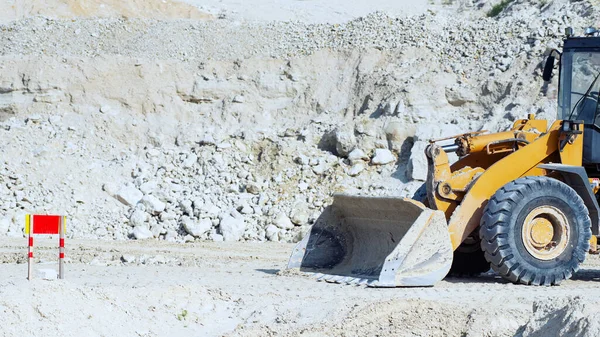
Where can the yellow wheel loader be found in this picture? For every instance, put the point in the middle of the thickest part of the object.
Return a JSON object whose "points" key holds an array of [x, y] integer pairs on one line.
{"points": [[522, 201]]}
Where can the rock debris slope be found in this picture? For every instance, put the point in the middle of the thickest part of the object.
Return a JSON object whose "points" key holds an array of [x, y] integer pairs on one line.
{"points": [[219, 129]]}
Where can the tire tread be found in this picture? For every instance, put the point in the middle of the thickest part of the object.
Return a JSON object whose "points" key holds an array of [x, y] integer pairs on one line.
{"points": [[495, 228]]}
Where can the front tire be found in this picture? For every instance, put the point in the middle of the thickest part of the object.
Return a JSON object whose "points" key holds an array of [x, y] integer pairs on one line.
{"points": [[535, 230]]}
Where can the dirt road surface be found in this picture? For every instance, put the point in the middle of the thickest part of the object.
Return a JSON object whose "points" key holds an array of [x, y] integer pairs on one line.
{"points": [[213, 289]]}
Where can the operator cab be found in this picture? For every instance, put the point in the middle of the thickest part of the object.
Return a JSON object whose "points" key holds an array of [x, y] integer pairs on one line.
{"points": [[579, 88]]}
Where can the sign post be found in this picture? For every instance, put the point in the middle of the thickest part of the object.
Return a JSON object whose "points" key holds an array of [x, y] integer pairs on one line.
{"points": [[30, 256], [61, 248], [45, 224]]}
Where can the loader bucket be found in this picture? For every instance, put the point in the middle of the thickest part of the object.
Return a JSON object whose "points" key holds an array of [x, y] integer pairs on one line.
{"points": [[380, 242]]}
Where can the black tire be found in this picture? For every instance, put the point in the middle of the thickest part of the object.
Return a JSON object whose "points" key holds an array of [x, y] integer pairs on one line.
{"points": [[501, 231], [468, 259]]}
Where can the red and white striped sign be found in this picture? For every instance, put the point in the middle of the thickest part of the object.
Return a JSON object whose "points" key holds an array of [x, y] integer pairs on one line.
{"points": [[46, 224]]}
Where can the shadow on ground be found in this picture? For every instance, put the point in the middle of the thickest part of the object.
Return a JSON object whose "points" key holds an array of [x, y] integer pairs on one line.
{"points": [[269, 271]]}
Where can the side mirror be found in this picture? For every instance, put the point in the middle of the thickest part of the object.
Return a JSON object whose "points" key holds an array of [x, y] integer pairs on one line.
{"points": [[547, 75]]}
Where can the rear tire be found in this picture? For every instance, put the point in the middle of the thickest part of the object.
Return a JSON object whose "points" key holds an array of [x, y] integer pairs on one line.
{"points": [[468, 259], [535, 230]]}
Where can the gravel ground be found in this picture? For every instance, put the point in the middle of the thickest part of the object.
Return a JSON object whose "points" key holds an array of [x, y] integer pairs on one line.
{"points": [[215, 289], [180, 125]]}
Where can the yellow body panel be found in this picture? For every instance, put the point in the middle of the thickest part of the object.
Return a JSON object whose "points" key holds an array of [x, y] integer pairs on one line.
{"points": [[482, 143], [572, 154], [441, 170], [467, 217], [491, 161], [531, 124]]}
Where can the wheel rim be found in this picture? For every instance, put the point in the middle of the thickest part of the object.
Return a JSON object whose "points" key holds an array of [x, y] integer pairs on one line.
{"points": [[546, 232]]}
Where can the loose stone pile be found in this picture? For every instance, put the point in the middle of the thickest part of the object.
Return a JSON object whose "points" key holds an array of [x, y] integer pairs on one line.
{"points": [[154, 129]]}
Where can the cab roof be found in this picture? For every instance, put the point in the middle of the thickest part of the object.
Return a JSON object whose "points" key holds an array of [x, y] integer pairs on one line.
{"points": [[582, 42]]}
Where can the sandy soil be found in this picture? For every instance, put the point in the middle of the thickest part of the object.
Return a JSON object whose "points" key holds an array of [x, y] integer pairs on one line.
{"points": [[157, 9], [213, 289], [314, 11]]}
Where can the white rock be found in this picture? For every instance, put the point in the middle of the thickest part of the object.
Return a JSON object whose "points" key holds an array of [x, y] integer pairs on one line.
{"points": [[320, 169], [54, 120], [395, 107], [34, 118], [129, 195], [417, 163], [166, 216], [272, 233], [152, 153], [345, 142], [366, 127], [357, 155], [302, 159], [148, 187], [128, 258], [382, 157], [196, 228], [356, 169], [241, 146], [153, 205], [282, 221], [46, 274], [156, 230], [299, 215], [198, 203], [138, 218], [188, 238], [239, 99], [459, 95], [252, 188], [397, 131], [246, 209], [232, 228], [190, 160], [19, 195], [428, 131], [110, 188], [224, 145], [381, 144], [171, 235], [142, 233], [207, 139], [216, 237], [186, 207], [210, 209]]}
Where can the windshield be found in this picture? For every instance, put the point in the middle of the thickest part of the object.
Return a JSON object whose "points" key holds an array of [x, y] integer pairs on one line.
{"points": [[579, 87]]}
